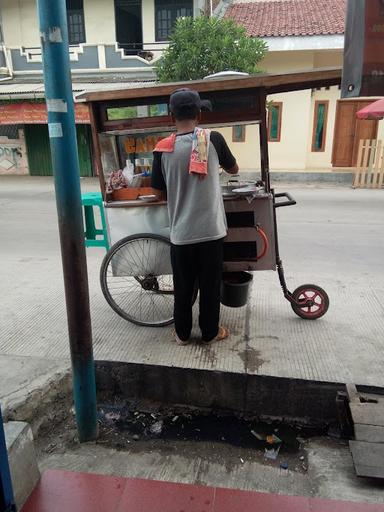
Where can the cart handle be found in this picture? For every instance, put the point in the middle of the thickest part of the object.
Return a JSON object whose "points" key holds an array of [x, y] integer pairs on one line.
{"points": [[290, 201]]}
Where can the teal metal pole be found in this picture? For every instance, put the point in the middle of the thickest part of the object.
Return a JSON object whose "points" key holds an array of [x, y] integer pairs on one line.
{"points": [[62, 136]]}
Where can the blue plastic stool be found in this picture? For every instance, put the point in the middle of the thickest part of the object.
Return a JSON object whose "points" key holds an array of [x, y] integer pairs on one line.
{"points": [[92, 200]]}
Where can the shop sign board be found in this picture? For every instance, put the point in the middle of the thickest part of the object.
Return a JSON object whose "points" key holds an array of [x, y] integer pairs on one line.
{"points": [[36, 113]]}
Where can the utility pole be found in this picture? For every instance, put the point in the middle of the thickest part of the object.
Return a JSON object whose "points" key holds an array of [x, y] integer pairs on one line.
{"points": [[62, 136]]}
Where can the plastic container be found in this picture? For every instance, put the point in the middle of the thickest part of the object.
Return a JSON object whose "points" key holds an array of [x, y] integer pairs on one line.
{"points": [[235, 289]]}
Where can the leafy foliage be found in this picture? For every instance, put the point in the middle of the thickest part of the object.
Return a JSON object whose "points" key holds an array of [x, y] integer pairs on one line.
{"points": [[202, 46]]}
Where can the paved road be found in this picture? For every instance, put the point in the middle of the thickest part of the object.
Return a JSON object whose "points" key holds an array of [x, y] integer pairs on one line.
{"points": [[329, 230]]}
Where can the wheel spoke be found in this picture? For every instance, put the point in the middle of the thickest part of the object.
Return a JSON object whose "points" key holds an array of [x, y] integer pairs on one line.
{"points": [[132, 265], [317, 297]]}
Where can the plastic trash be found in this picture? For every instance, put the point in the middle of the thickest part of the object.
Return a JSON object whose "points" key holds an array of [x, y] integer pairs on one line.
{"points": [[273, 439], [128, 172], [157, 427], [271, 453], [258, 436]]}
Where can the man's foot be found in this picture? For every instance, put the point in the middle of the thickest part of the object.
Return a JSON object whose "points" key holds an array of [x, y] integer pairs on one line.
{"points": [[180, 342], [221, 335]]}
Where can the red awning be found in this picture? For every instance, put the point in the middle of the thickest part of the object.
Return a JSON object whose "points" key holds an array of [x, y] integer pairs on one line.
{"points": [[374, 110]]}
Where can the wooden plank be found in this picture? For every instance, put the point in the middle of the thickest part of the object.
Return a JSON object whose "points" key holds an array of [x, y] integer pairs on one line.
{"points": [[352, 393], [361, 168], [367, 413], [364, 165], [368, 458], [381, 175], [376, 165], [363, 129], [272, 82], [263, 138], [371, 161], [166, 123], [133, 203], [356, 179]]}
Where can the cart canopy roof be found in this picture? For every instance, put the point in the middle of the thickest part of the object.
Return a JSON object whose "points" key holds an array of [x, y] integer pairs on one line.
{"points": [[266, 83]]}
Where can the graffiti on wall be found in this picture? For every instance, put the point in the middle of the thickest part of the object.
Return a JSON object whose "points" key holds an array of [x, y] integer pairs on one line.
{"points": [[13, 158], [10, 156]]}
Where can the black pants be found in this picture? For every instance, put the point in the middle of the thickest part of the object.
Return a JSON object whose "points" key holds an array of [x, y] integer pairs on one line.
{"points": [[197, 264]]}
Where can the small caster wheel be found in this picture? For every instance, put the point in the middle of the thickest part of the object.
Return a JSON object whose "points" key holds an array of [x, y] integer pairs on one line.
{"points": [[319, 301]]}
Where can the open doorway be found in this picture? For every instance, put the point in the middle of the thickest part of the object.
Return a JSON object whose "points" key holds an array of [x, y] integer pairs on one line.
{"points": [[129, 28]]}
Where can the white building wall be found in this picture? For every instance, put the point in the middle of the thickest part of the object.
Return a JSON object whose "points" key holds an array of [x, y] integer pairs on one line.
{"points": [[291, 151], [99, 18], [294, 150], [247, 153], [148, 17], [20, 23], [13, 155], [285, 62]]}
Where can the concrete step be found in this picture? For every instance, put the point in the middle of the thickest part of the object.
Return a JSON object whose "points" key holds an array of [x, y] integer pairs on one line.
{"points": [[22, 459]]}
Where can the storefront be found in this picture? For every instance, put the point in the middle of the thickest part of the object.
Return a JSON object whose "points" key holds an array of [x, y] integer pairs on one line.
{"points": [[24, 141]]}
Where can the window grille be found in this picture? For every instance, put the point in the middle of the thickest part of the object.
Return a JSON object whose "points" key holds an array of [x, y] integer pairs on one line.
{"points": [[166, 14]]}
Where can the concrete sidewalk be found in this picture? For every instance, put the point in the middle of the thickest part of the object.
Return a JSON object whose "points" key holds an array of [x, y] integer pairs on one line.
{"points": [[333, 237]]}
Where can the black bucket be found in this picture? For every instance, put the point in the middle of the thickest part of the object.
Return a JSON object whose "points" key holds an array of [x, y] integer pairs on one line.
{"points": [[235, 288]]}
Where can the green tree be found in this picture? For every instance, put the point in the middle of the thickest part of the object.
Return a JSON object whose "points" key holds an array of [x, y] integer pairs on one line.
{"points": [[202, 46]]}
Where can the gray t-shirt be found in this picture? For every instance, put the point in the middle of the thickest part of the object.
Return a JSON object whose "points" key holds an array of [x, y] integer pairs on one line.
{"points": [[195, 205]]}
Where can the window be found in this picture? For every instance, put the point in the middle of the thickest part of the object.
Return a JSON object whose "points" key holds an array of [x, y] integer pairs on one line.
{"points": [[319, 125], [117, 113], [129, 26], [76, 26], [167, 12], [238, 133], [274, 121]]}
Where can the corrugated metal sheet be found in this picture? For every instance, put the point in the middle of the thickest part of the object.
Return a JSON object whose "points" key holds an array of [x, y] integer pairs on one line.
{"points": [[39, 154], [38, 150], [14, 91]]}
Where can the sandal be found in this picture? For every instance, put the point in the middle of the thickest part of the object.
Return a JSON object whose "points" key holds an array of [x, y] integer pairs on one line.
{"points": [[221, 335]]}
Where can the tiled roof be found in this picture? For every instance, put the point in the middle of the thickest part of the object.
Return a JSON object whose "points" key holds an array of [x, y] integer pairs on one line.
{"points": [[290, 17]]}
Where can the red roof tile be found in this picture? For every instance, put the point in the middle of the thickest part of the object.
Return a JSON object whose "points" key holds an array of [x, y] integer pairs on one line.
{"points": [[290, 17]]}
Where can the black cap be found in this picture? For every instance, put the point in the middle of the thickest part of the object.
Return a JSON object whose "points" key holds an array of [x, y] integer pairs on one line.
{"points": [[187, 98]]}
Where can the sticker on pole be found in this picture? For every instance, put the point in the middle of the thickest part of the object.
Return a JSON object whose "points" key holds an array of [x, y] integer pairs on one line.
{"points": [[55, 130], [56, 105]]}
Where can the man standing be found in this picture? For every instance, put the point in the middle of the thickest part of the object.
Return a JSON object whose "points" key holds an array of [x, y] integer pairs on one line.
{"points": [[186, 169]]}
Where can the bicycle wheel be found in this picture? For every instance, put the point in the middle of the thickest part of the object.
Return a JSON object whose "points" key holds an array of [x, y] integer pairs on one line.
{"points": [[136, 279]]}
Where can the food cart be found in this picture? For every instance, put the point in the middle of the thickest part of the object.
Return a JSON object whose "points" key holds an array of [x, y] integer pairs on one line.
{"points": [[136, 274]]}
